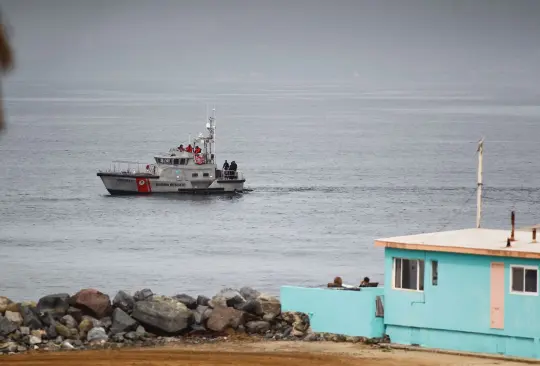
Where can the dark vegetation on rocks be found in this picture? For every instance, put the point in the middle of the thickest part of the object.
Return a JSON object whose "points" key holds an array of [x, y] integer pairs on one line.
{"points": [[90, 319]]}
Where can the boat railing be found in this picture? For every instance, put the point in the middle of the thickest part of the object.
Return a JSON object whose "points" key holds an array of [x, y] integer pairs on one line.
{"points": [[231, 175], [129, 167]]}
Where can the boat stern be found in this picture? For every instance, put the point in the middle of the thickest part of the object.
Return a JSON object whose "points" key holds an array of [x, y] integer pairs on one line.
{"points": [[230, 182]]}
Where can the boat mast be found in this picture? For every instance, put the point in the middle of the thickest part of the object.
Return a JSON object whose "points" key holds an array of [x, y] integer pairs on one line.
{"points": [[480, 184], [211, 127]]}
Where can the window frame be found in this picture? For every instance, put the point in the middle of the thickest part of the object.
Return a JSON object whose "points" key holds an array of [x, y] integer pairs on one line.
{"points": [[394, 260], [434, 272], [525, 268]]}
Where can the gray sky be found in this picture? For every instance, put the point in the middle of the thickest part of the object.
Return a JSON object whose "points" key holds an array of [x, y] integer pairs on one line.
{"points": [[298, 39]]}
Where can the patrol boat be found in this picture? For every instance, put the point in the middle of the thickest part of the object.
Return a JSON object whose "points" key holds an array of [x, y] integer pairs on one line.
{"points": [[175, 172]]}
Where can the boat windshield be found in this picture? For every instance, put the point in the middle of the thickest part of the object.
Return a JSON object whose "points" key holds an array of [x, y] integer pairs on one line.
{"points": [[172, 161]]}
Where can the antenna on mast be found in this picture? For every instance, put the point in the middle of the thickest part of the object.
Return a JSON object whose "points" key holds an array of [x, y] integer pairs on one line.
{"points": [[480, 152]]}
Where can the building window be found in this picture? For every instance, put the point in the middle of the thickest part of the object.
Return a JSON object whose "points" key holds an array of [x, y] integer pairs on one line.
{"points": [[409, 274], [175, 162], [434, 272], [195, 175], [524, 280], [206, 175]]}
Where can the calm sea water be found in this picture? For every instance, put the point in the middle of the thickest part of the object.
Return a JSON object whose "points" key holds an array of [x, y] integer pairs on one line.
{"points": [[332, 166]]}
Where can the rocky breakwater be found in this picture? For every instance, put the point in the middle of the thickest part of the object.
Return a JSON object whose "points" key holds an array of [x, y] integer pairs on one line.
{"points": [[90, 319]]}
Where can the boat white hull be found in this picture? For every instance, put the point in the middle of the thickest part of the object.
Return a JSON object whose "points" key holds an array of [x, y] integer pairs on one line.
{"points": [[118, 184]]}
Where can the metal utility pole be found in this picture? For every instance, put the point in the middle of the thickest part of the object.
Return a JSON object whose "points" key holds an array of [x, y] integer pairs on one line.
{"points": [[480, 184]]}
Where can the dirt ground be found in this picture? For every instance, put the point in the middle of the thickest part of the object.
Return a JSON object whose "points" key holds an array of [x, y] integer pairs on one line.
{"points": [[244, 354]]}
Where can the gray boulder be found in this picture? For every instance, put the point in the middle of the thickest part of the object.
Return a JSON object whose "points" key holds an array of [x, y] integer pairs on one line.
{"points": [[249, 293], [270, 305], [62, 330], [14, 317], [223, 318], [57, 304], [162, 317], [95, 323], [141, 332], [97, 334], [124, 301], [69, 321], [77, 314], [8, 347], [257, 327], [142, 295], [252, 307], [46, 319], [34, 340], [187, 300], [227, 297], [21, 349], [201, 314], [118, 337], [16, 336], [51, 331], [122, 322], [30, 318], [132, 336], [6, 326], [202, 300], [24, 331], [4, 303], [106, 323], [85, 325], [66, 345]]}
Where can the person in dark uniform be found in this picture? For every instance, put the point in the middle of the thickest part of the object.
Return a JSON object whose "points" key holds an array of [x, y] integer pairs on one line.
{"points": [[232, 170], [225, 169]]}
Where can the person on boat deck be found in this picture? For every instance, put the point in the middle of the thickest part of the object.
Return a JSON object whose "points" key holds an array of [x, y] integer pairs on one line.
{"points": [[197, 150], [225, 165], [232, 169], [365, 282], [181, 147], [189, 148]]}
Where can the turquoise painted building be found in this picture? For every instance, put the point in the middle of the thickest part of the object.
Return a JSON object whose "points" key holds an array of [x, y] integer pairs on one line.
{"points": [[463, 290]]}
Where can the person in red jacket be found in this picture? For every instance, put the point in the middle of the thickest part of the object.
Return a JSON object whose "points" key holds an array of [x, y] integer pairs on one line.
{"points": [[197, 150], [189, 148]]}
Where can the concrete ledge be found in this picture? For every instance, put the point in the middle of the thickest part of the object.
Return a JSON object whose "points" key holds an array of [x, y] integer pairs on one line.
{"points": [[460, 353], [350, 313]]}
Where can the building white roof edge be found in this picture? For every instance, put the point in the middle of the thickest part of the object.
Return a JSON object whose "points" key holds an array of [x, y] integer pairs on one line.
{"points": [[468, 241]]}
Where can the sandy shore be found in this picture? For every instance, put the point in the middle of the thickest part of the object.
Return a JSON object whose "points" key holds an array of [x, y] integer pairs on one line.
{"points": [[244, 354]]}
